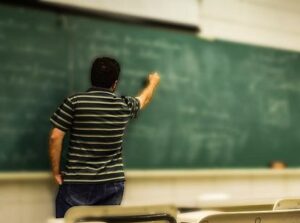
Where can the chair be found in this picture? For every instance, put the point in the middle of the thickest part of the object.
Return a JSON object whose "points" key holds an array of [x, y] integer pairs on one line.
{"points": [[124, 214]]}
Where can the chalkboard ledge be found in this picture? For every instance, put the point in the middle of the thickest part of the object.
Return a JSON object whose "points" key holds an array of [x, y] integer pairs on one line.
{"points": [[163, 174], [190, 173], [26, 176]]}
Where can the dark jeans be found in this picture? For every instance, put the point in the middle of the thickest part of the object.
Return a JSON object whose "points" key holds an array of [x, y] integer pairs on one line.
{"points": [[70, 195]]}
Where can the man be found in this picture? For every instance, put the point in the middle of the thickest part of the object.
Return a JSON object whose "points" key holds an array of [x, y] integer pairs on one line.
{"points": [[96, 119]]}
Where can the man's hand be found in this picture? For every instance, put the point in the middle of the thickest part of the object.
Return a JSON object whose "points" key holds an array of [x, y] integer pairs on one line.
{"points": [[154, 78], [58, 179], [147, 93]]}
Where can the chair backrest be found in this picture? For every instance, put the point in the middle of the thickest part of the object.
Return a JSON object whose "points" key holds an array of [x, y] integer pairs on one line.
{"points": [[287, 203], [156, 213], [281, 216]]}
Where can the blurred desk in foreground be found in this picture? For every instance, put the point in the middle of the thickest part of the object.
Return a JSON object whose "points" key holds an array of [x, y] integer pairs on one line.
{"points": [[240, 217], [56, 220], [231, 204], [115, 213]]}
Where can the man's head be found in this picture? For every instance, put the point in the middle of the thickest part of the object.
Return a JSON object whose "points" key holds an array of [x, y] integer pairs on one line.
{"points": [[105, 72]]}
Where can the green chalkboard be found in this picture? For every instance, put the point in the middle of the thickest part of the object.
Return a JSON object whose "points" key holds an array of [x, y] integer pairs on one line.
{"points": [[220, 104]]}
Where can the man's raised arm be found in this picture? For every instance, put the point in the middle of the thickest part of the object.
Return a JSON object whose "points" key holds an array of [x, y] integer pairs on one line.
{"points": [[147, 93]]}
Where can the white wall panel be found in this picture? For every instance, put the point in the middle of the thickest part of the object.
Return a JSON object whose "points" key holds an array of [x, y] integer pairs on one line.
{"points": [[178, 11], [262, 22]]}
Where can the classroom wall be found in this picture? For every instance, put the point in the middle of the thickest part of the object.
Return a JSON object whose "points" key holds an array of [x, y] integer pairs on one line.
{"points": [[184, 12], [263, 22], [29, 198], [272, 23]]}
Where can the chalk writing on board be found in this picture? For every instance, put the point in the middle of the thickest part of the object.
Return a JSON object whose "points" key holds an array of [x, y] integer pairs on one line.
{"points": [[134, 73], [159, 144], [292, 86], [44, 29], [276, 112], [10, 22], [99, 35], [149, 54], [152, 43], [33, 50], [104, 49]]}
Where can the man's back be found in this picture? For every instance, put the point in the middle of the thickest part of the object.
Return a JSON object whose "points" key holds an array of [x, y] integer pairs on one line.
{"points": [[97, 120]]}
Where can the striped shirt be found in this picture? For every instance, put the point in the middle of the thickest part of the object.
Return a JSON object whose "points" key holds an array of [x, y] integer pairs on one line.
{"points": [[96, 120]]}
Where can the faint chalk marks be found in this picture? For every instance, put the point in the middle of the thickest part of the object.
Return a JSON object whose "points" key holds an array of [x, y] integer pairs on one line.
{"points": [[44, 29], [34, 70], [131, 72], [10, 22], [276, 112], [152, 43], [190, 110], [272, 80], [100, 35], [33, 50], [203, 112], [292, 86], [2, 36], [148, 54], [268, 71], [106, 49], [213, 145], [158, 138]]}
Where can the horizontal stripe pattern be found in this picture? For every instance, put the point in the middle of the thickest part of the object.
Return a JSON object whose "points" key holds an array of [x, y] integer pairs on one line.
{"points": [[92, 170], [96, 120], [63, 117]]}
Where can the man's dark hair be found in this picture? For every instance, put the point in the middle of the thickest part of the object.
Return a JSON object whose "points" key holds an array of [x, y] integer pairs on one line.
{"points": [[105, 71]]}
